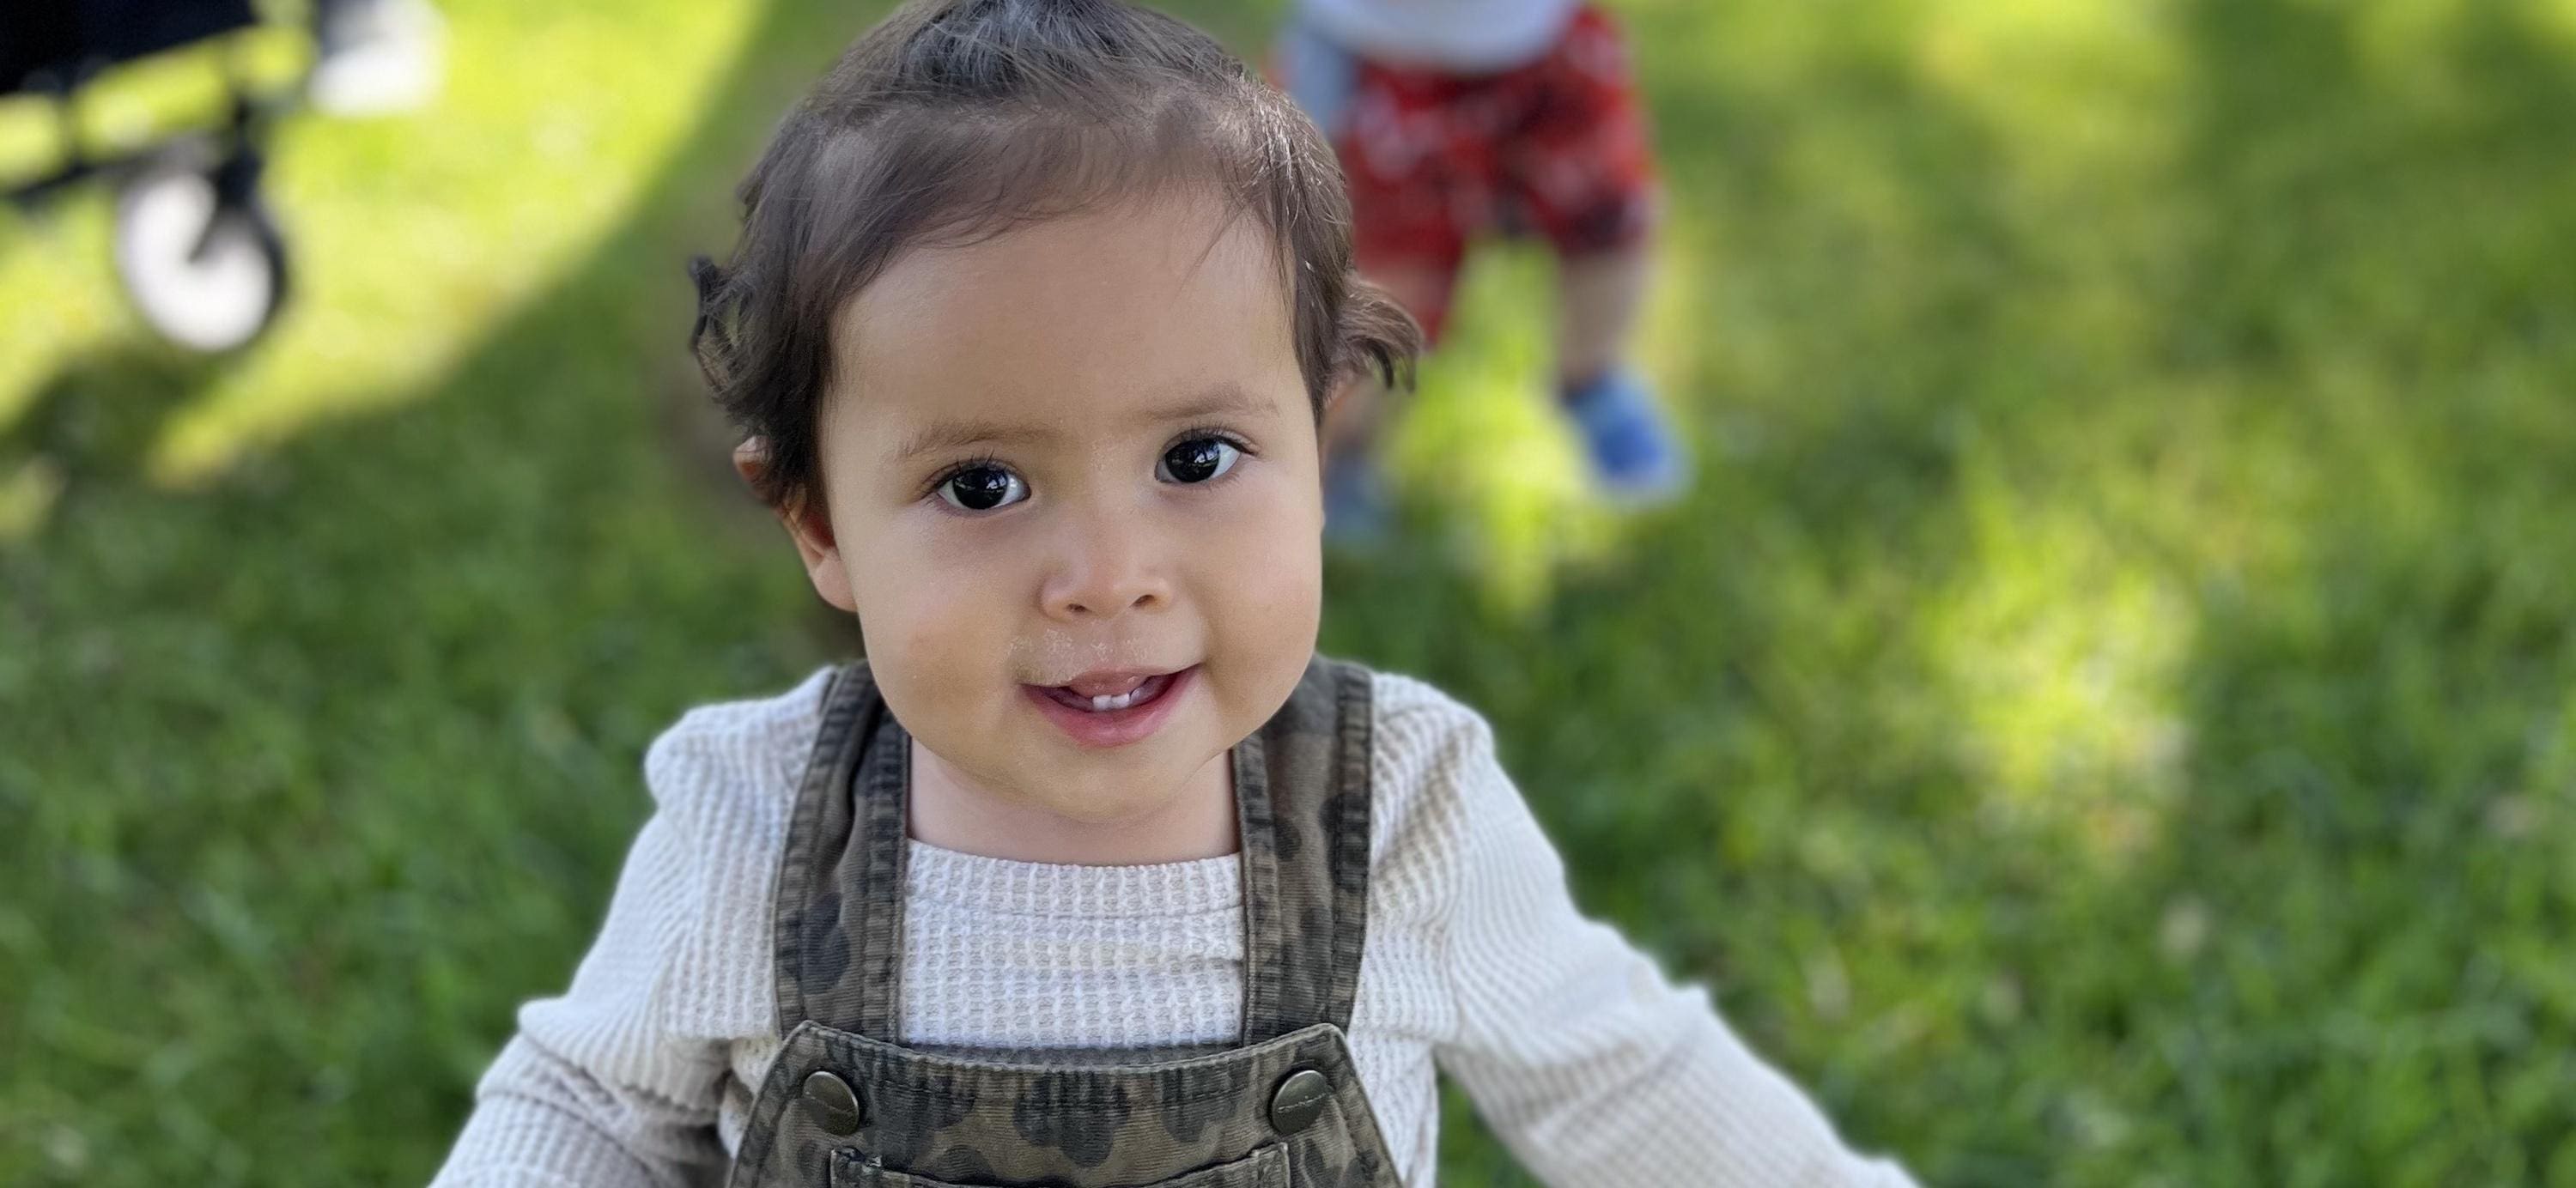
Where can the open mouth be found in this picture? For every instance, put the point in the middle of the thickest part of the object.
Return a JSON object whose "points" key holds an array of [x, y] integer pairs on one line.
{"points": [[1112, 709], [1090, 697]]}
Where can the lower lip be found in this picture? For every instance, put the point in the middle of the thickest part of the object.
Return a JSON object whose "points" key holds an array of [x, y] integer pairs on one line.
{"points": [[1113, 728]]}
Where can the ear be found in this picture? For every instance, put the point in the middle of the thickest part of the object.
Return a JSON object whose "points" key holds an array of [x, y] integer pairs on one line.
{"points": [[808, 523]]}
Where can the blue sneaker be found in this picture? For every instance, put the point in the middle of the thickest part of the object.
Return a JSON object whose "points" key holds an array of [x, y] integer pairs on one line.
{"points": [[1634, 453], [1355, 507]]}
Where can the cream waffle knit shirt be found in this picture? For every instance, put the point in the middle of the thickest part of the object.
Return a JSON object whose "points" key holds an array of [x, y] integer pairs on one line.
{"points": [[1581, 1056]]}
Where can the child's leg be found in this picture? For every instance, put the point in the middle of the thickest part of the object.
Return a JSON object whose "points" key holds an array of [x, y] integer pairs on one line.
{"points": [[1598, 298], [1582, 170], [1634, 450]]}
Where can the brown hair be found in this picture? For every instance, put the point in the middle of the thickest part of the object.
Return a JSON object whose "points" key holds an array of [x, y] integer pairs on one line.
{"points": [[955, 120]]}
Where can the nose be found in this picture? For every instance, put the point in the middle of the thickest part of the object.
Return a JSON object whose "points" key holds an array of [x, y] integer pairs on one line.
{"points": [[1112, 565]]}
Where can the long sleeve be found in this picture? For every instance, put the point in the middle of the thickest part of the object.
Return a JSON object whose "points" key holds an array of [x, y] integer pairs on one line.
{"points": [[618, 1081], [595, 1090], [1589, 1065]]}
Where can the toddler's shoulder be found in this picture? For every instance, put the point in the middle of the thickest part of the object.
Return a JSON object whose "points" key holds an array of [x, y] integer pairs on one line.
{"points": [[1431, 761], [728, 759], [1416, 727]]}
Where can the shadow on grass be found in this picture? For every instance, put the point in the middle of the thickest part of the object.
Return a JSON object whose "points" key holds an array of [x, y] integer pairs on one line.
{"points": [[92, 422], [314, 773]]}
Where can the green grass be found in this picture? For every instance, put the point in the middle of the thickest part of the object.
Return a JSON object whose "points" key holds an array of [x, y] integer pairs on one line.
{"points": [[2106, 715]]}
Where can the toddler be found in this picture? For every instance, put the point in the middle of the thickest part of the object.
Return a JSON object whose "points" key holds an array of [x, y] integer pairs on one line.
{"points": [[1092, 873]]}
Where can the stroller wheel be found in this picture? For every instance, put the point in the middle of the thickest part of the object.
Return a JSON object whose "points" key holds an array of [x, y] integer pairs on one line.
{"points": [[205, 273]]}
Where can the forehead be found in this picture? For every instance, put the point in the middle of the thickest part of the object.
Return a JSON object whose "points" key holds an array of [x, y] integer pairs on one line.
{"points": [[1072, 320]]}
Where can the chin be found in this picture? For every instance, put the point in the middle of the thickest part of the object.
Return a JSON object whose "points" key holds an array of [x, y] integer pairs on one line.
{"points": [[1107, 787]]}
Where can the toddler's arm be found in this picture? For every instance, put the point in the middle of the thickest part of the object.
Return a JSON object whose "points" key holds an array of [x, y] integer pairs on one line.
{"points": [[617, 1081], [1590, 1066]]}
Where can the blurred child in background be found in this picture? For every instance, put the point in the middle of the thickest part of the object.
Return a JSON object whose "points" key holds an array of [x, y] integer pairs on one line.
{"points": [[1456, 119]]}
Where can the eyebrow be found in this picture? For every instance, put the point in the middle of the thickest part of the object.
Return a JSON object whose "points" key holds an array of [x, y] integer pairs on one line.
{"points": [[1220, 399], [944, 436]]}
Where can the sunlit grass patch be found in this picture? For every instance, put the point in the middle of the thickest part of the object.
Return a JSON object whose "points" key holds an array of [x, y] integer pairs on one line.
{"points": [[31, 139], [2074, 88], [2063, 653], [443, 222], [55, 264], [27, 495], [409, 237], [1480, 446]]}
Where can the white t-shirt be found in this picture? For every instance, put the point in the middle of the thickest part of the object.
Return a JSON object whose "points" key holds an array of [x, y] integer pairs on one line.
{"points": [[1468, 36]]}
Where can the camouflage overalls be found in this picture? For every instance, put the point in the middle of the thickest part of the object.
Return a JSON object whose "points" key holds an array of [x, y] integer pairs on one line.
{"points": [[845, 1106]]}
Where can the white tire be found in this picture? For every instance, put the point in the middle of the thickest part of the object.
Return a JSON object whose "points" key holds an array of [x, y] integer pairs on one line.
{"points": [[206, 277]]}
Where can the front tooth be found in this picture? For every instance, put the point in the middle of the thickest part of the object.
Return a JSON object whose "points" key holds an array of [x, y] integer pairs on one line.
{"points": [[1100, 703]]}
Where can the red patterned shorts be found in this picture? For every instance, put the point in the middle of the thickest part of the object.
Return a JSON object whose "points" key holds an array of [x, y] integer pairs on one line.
{"points": [[1557, 147]]}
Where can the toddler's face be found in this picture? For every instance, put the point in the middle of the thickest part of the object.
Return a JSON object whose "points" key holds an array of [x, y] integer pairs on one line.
{"points": [[1072, 484]]}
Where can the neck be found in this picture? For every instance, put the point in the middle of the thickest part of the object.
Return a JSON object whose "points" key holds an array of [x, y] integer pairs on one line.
{"points": [[953, 811]]}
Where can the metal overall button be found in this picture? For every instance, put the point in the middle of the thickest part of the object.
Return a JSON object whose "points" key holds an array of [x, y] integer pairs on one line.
{"points": [[836, 1106], [1299, 1101]]}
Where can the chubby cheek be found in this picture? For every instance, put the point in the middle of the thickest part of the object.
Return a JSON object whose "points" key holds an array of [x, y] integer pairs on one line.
{"points": [[930, 640], [1264, 614]]}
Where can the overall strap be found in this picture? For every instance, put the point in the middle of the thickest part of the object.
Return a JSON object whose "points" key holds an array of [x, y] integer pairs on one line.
{"points": [[839, 908], [1301, 787]]}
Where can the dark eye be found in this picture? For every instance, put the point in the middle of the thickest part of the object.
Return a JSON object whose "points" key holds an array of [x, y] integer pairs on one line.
{"points": [[1198, 460], [982, 488]]}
